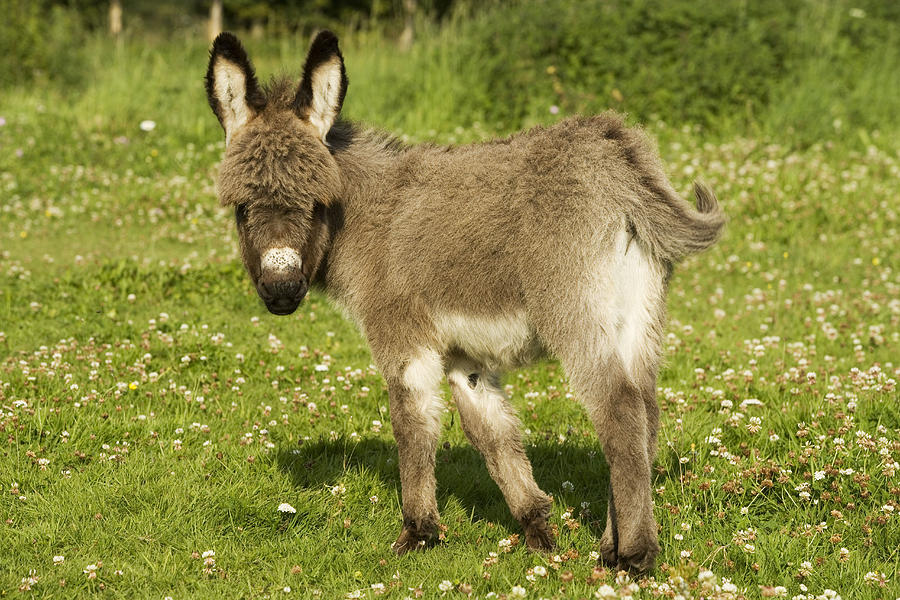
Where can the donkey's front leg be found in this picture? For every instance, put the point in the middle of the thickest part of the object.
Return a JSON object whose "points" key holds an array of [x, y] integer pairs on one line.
{"points": [[415, 417]]}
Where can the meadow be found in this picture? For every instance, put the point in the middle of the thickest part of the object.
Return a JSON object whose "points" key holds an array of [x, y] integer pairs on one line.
{"points": [[164, 436]]}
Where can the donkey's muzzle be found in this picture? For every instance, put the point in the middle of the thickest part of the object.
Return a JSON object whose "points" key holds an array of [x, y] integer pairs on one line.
{"points": [[282, 297]]}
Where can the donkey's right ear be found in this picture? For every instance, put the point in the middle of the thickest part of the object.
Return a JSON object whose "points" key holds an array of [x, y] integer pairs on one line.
{"points": [[231, 86]]}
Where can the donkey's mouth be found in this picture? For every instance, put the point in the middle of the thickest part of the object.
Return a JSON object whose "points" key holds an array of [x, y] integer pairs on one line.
{"points": [[282, 309], [283, 297]]}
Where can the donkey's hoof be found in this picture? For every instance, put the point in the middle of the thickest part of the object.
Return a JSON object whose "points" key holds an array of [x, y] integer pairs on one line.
{"points": [[538, 536], [608, 556], [639, 561], [411, 540]]}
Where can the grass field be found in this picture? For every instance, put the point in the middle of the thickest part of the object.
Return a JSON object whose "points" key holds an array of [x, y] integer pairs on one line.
{"points": [[154, 415]]}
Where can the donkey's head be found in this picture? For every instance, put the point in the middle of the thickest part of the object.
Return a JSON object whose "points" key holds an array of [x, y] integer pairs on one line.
{"points": [[278, 172]]}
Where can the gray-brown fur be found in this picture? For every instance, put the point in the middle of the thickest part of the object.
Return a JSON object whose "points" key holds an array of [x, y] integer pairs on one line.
{"points": [[466, 262]]}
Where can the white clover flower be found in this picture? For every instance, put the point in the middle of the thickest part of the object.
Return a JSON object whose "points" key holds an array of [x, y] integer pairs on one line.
{"points": [[148, 125], [540, 571], [445, 586], [58, 560], [605, 592], [518, 592], [286, 508], [706, 576]]}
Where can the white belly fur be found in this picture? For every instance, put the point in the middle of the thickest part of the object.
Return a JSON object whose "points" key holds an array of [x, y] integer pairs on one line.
{"points": [[496, 342]]}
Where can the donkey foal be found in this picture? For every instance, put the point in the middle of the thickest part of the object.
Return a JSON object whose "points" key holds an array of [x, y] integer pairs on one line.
{"points": [[466, 262]]}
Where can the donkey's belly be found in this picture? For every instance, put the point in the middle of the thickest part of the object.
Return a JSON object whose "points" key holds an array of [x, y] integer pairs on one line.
{"points": [[500, 342]]}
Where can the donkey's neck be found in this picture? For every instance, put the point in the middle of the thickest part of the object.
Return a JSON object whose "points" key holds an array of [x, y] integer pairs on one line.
{"points": [[363, 157]]}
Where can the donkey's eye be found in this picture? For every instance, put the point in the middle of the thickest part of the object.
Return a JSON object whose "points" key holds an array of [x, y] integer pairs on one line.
{"points": [[240, 213]]}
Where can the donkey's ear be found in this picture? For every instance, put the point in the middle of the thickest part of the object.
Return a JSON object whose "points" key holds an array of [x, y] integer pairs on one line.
{"points": [[324, 84], [231, 86]]}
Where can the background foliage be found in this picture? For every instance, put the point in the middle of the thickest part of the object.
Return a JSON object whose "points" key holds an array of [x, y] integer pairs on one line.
{"points": [[804, 68]]}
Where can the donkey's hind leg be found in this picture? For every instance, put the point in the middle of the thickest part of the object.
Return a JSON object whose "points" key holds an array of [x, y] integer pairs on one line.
{"points": [[617, 409], [492, 427]]}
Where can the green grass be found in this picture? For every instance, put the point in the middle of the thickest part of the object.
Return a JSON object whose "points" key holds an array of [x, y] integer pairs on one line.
{"points": [[152, 410]]}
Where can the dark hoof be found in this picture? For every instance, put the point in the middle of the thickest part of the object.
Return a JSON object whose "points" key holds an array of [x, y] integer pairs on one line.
{"points": [[413, 539], [608, 556], [638, 561], [538, 536]]}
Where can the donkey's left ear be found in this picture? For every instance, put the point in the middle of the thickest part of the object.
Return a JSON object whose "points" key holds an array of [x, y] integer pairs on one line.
{"points": [[231, 86], [324, 84]]}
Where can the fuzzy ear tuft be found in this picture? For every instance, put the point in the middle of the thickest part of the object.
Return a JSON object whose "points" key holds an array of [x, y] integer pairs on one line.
{"points": [[231, 86], [324, 84]]}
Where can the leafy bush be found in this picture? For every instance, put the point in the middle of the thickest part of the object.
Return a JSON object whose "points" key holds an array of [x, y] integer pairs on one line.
{"points": [[40, 42], [777, 65]]}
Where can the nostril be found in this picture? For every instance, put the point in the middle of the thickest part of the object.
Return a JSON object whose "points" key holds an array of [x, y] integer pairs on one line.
{"points": [[265, 290]]}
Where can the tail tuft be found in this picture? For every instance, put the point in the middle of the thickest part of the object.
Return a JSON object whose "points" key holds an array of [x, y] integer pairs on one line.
{"points": [[706, 198]]}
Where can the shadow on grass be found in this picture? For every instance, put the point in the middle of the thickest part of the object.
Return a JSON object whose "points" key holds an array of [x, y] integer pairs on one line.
{"points": [[462, 475]]}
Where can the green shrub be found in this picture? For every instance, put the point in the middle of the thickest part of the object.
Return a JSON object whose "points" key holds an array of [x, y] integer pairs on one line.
{"points": [[40, 42], [794, 66]]}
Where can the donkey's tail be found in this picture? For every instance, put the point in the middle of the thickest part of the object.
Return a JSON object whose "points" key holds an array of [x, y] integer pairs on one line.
{"points": [[672, 228]]}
